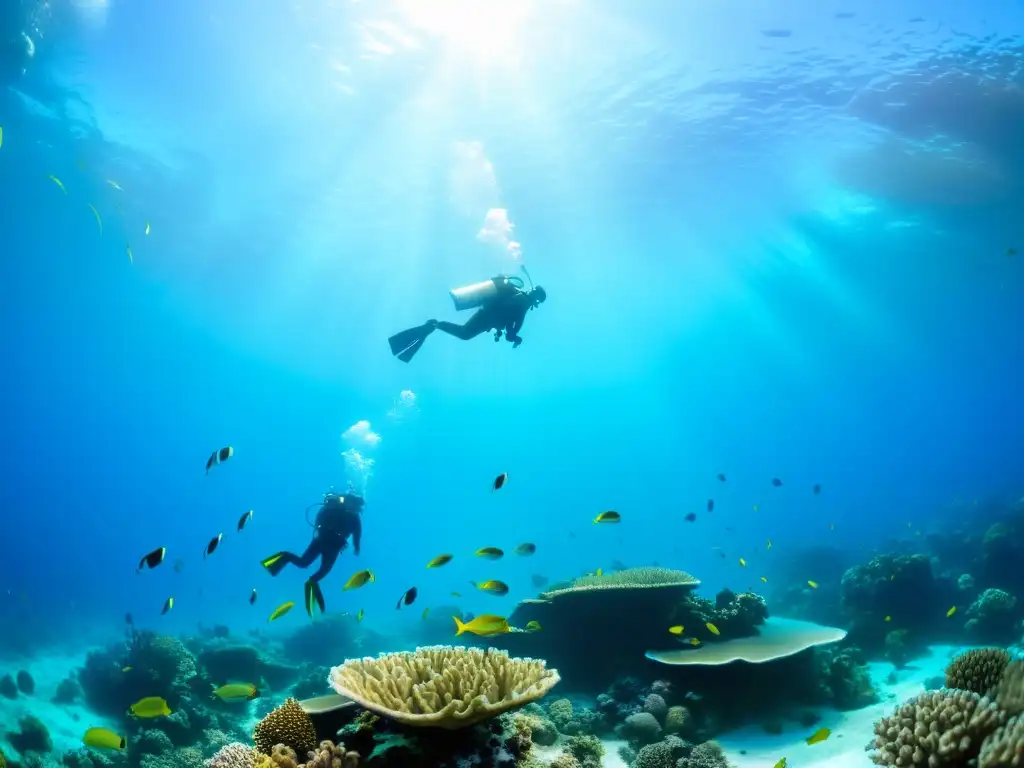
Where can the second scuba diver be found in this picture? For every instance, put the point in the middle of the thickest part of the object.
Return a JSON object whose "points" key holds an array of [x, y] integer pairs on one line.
{"points": [[501, 305], [337, 520]]}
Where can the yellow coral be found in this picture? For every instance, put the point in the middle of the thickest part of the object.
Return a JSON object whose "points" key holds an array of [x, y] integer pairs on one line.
{"points": [[443, 686], [288, 725]]}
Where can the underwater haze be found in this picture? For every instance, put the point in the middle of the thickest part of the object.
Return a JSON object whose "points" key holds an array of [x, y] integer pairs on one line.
{"points": [[780, 242]]}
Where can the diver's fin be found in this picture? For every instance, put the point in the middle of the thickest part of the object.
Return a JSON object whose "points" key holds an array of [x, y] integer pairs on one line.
{"points": [[402, 340], [275, 563], [407, 354], [314, 596]]}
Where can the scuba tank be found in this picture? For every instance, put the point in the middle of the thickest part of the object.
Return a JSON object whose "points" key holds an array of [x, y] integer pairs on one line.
{"points": [[478, 294]]}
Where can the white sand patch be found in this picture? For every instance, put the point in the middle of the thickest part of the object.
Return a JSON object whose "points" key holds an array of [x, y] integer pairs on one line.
{"points": [[67, 722], [852, 731]]}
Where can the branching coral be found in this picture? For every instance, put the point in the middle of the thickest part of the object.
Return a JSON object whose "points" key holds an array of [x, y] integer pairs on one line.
{"points": [[1005, 747], [443, 686], [938, 729], [235, 755], [977, 670], [331, 755], [708, 755], [288, 725], [1010, 691]]}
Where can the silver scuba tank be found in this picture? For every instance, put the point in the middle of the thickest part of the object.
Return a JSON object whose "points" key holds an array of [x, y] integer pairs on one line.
{"points": [[478, 294]]}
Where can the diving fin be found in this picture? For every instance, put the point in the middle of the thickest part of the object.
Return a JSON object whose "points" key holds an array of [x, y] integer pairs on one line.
{"points": [[314, 596], [407, 343], [275, 563]]}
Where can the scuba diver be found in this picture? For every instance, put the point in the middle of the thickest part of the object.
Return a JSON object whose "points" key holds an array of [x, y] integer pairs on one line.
{"points": [[501, 305], [337, 520]]}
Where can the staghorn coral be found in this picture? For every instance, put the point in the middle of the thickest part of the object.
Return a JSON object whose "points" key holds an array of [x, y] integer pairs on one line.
{"points": [[443, 686], [1010, 691], [1005, 747], [288, 725], [631, 578], [327, 755], [977, 670], [938, 729], [234, 755], [708, 755]]}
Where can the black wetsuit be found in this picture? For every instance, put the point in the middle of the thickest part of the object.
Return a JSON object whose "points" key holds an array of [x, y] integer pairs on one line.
{"points": [[504, 314], [335, 522]]}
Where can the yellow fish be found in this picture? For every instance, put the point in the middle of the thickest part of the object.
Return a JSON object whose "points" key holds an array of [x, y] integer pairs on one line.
{"points": [[96, 213], [781, 763], [128, 250], [167, 605], [456, 594], [126, 669], [951, 611], [888, 618], [694, 641], [237, 692], [743, 563], [492, 587], [676, 630], [359, 579], [360, 615], [484, 625], [533, 626], [425, 612], [151, 706], [812, 584], [769, 547], [608, 517], [599, 572], [103, 738], [764, 579], [281, 610], [712, 628], [147, 227], [115, 185], [58, 182], [440, 560], [819, 736], [490, 553], [892, 577]]}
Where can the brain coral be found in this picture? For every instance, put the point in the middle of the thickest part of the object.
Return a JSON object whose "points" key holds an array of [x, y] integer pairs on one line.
{"points": [[288, 725], [977, 670], [937, 729], [443, 686]]}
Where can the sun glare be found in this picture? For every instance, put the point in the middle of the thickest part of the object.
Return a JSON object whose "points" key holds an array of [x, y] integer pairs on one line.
{"points": [[486, 28]]}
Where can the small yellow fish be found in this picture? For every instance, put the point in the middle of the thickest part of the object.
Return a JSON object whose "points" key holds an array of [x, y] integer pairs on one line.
{"points": [[115, 185], [281, 610], [599, 572], [888, 618], [168, 604], [151, 706], [492, 587], [819, 736], [360, 615], [743, 563], [608, 517], [128, 250], [103, 738], [712, 628], [59, 183], [456, 594], [126, 669], [484, 625], [892, 577], [237, 692], [812, 584], [359, 579], [490, 553], [764, 579], [694, 641], [951, 611], [781, 764], [440, 560], [533, 626], [147, 227], [676, 630], [96, 213], [769, 547], [425, 612]]}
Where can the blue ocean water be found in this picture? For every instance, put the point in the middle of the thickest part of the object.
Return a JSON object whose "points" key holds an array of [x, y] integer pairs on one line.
{"points": [[779, 240]]}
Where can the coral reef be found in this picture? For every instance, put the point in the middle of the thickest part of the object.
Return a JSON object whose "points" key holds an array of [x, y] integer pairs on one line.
{"points": [[663, 754], [234, 755], [1005, 747], [32, 736], [8, 688], [1010, 691], [993, 617], [677, 720], [640, 729], [444, 686], [25, 682], [588, 750], [978, 670], [68, 691], [843, 678], [226, 662], [288, 725], [707, 755]]}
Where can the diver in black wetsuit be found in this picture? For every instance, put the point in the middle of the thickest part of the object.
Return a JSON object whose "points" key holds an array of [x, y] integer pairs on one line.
{"points": [[337, 520], [502, 306]]}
